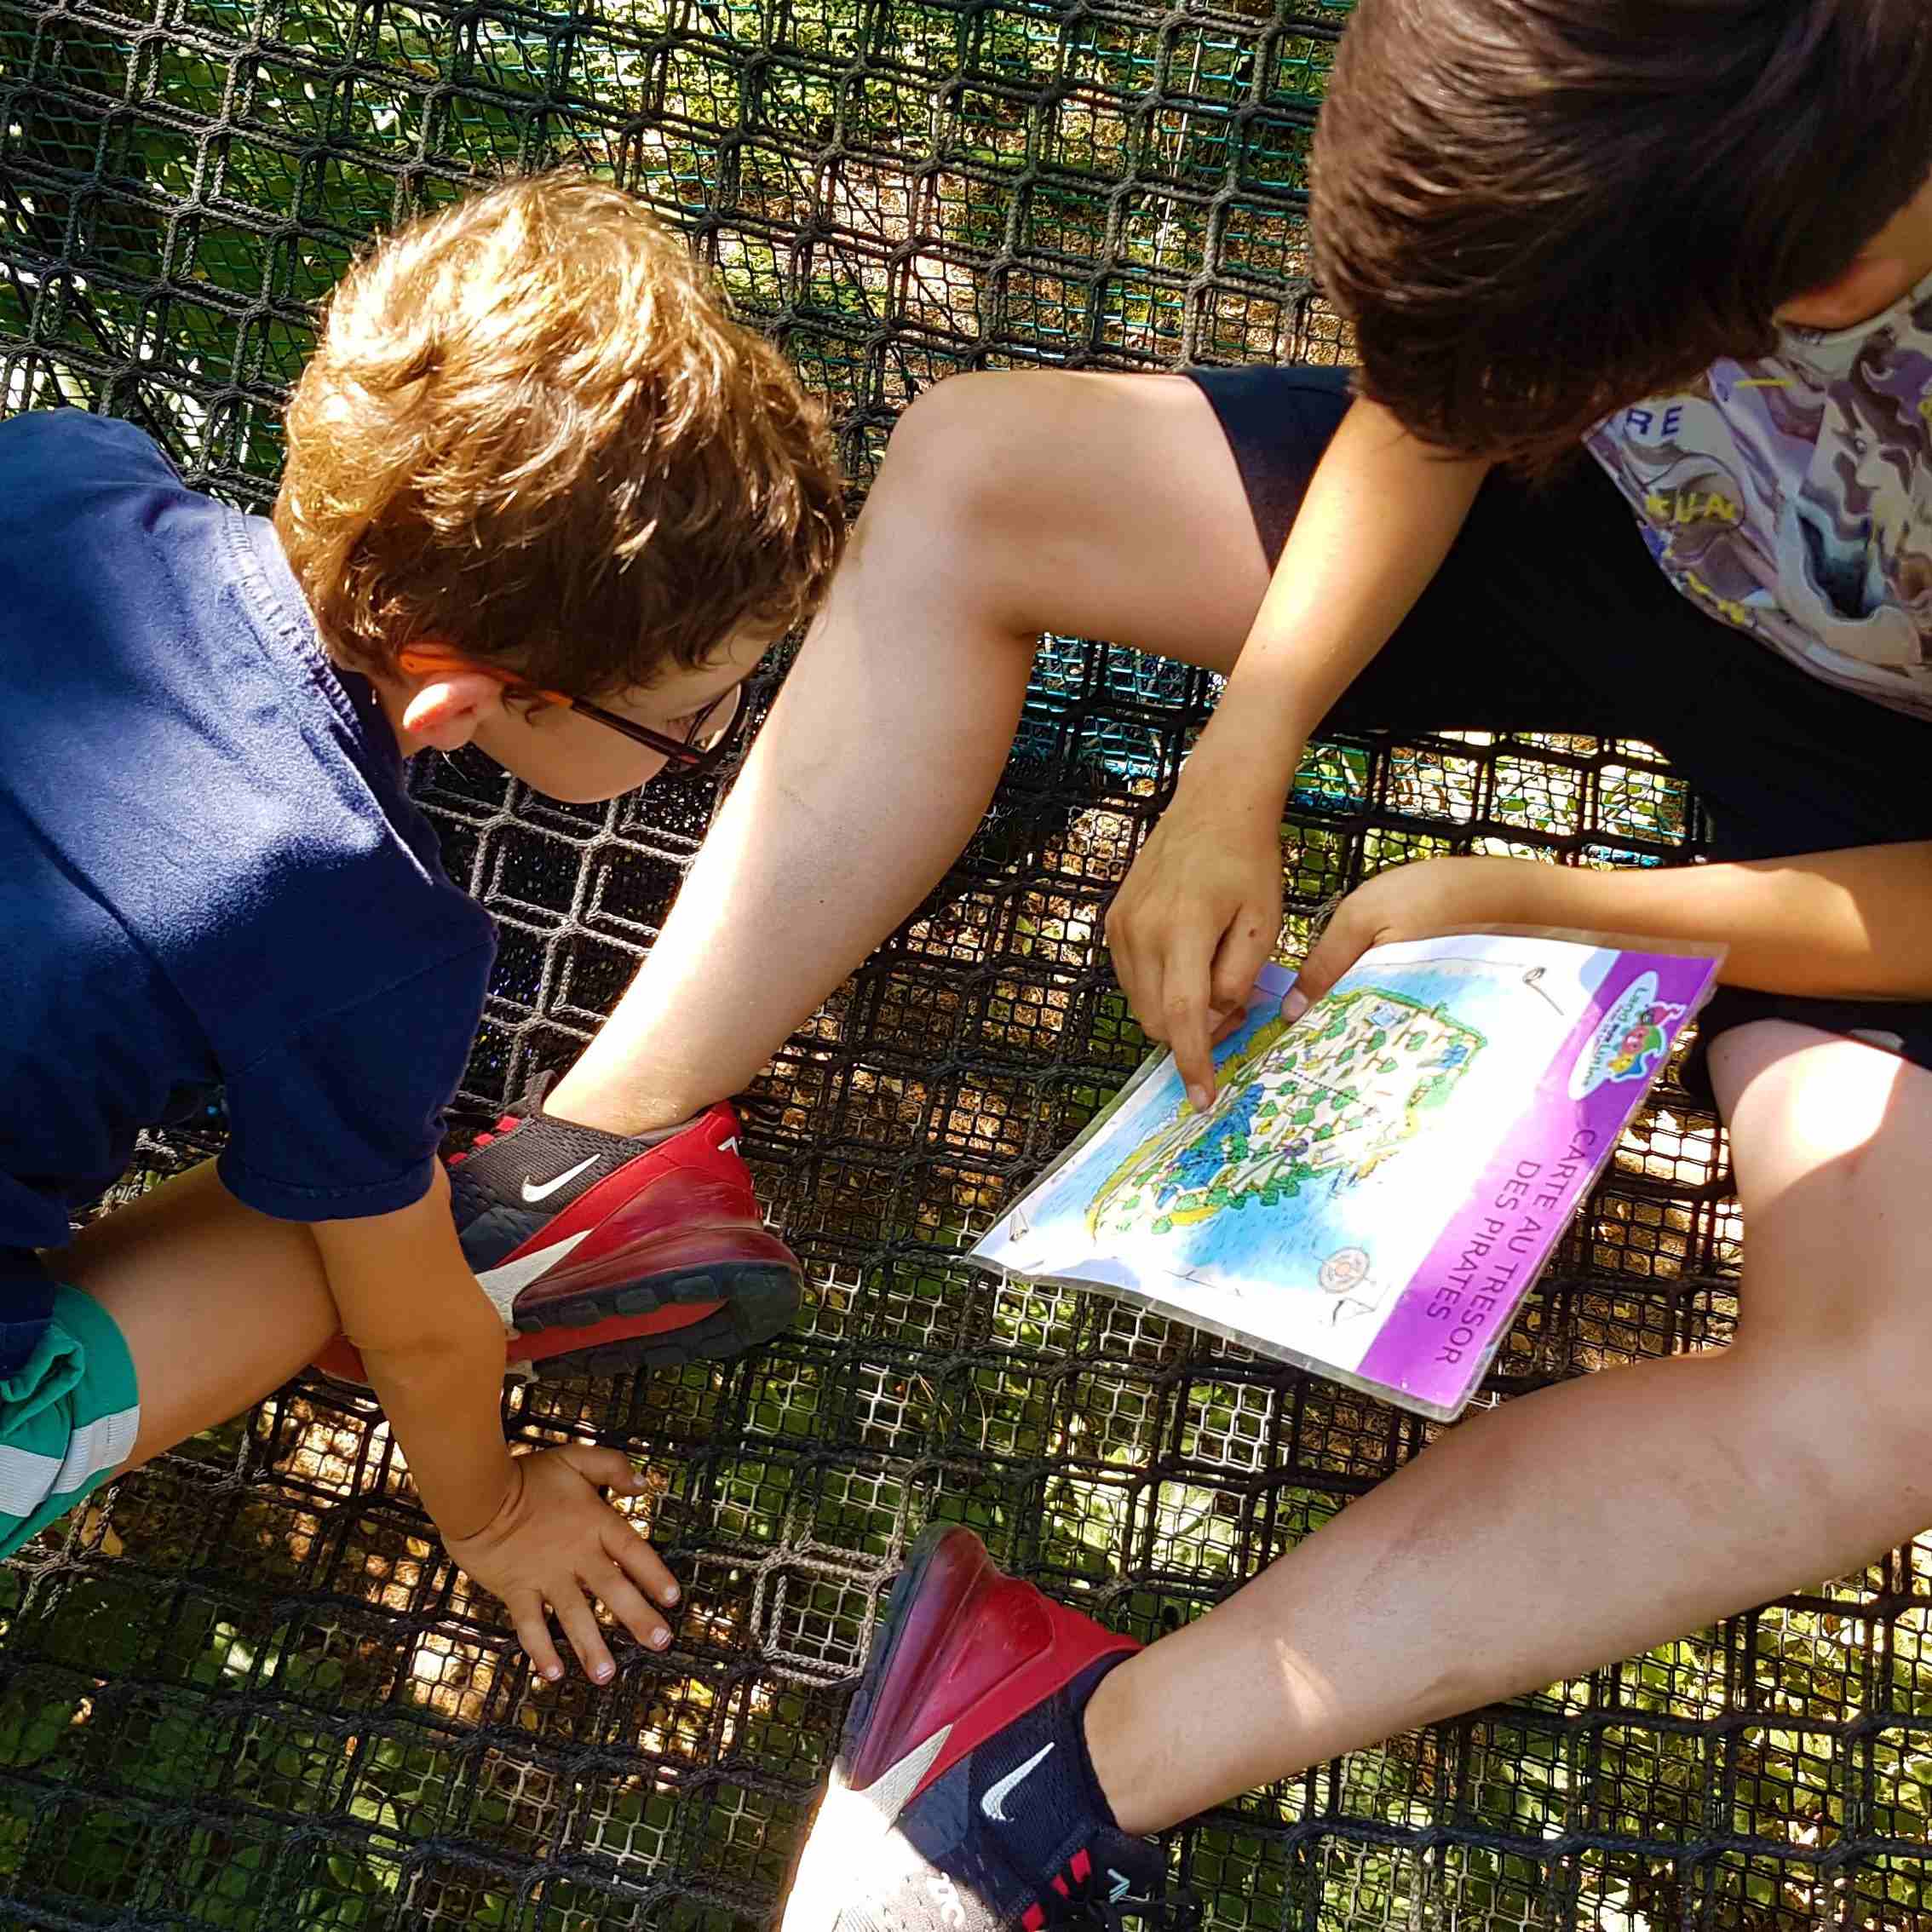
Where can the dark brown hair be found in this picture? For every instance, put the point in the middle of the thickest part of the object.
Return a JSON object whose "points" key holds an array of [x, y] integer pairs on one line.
{"points": [[532, 431], [1535, 211]]}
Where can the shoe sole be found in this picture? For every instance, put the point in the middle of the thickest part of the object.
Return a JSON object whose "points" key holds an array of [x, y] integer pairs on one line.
{"points": [[735, 1306], [952, 1560], [752, 1303], [844, 1823]]}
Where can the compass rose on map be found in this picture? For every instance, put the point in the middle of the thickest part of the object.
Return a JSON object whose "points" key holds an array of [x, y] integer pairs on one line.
{"points": [[1346, 1268]]}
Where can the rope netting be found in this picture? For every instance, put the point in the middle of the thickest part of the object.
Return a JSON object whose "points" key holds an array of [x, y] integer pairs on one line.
{"points": [[245, 1690]]}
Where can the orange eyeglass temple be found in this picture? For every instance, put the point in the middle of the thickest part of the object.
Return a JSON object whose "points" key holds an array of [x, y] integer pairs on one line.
{"points": [[424, 659]]}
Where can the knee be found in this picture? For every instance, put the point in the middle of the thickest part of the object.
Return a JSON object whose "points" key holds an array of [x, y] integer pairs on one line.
{"points": [[1892, 1405], [1883, 1455], [1860, 1401], [958, 458]]}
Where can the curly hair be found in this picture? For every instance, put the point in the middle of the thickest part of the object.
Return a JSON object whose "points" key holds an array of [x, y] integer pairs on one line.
{"points": [[532, 431], [1537, 211]]}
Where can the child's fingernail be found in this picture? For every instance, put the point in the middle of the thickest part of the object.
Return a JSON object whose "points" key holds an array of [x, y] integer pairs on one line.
{"points": [[552, 1672], [659, 1638], [1197, 1099], [604, 1673], [671, 1594], [1294, 1004]]}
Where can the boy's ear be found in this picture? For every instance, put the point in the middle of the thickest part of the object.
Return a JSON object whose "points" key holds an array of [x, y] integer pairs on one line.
{"points": [[444, 710]]}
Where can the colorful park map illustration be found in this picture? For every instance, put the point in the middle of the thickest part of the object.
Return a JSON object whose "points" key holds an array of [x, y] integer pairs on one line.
{"points": [[1330, 1100], [1415, 1140]]}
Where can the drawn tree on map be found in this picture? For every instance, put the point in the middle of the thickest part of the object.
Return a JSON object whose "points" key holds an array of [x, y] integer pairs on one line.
{"points": [[1326, 1100]]}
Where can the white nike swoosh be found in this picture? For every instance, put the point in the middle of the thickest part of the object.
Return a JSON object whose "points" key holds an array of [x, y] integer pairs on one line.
{"points": [[535, 1194], [993, 1803], [844, 1843], [503, 1284]]}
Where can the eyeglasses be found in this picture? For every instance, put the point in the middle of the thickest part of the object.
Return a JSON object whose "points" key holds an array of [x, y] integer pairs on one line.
{"points": [[707, 739]]}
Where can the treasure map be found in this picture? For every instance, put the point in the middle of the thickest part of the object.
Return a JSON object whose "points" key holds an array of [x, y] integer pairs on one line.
{"points": [[1377, 1183]]}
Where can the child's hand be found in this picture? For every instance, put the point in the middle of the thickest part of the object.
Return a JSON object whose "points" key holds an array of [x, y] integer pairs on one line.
{"points": [[556, 1541], [1198, 916], [1419, 901]]}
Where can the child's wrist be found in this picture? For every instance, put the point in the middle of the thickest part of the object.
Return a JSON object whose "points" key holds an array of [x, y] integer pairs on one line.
{"points": [[512, 1495], [1241, 760]]}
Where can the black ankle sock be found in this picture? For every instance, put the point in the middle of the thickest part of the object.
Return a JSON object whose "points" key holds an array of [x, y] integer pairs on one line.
{"points": [[1078, 1693]]}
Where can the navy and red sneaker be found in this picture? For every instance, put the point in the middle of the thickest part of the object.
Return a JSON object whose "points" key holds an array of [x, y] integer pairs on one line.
{"points": [[618, 1253], [962, 1798]]}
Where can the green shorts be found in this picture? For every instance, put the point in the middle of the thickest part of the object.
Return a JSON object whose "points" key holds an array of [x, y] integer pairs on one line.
{"points": [[68, 1417]]}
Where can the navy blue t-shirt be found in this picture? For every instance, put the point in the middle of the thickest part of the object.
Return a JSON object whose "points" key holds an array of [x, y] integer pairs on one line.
{"points": [[210, 870]]}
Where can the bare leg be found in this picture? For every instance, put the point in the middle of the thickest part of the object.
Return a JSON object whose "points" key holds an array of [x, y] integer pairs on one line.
{"points": [[218, 1305], [1609, 1514], [1099, 506]]}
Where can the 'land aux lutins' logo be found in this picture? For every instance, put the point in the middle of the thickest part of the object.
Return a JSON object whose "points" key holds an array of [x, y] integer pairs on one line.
{"points": [[1633, 1037]]}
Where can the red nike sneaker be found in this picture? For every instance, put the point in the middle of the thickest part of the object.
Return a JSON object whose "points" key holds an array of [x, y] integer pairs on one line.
{"points": [[618, 1253], [962, 1798]]}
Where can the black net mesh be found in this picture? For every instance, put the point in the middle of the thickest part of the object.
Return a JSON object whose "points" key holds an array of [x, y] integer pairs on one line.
{"points": [[245, 1690]]}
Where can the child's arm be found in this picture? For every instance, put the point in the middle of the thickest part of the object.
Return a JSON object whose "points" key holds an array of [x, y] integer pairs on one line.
{"points": [[531, 1529], [1826, 925], [1201, 909]]}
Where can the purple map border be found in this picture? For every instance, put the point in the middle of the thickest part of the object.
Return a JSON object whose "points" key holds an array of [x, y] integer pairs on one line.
{"points": [[1440, 1336]]}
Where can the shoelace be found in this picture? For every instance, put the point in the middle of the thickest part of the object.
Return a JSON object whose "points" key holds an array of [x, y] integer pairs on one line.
{"points": [[1108, 1897], [504, 1123], [519, 1110]]}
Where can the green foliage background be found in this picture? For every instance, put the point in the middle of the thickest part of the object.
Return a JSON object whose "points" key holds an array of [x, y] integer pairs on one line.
{"points": [[246, 1693]]}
